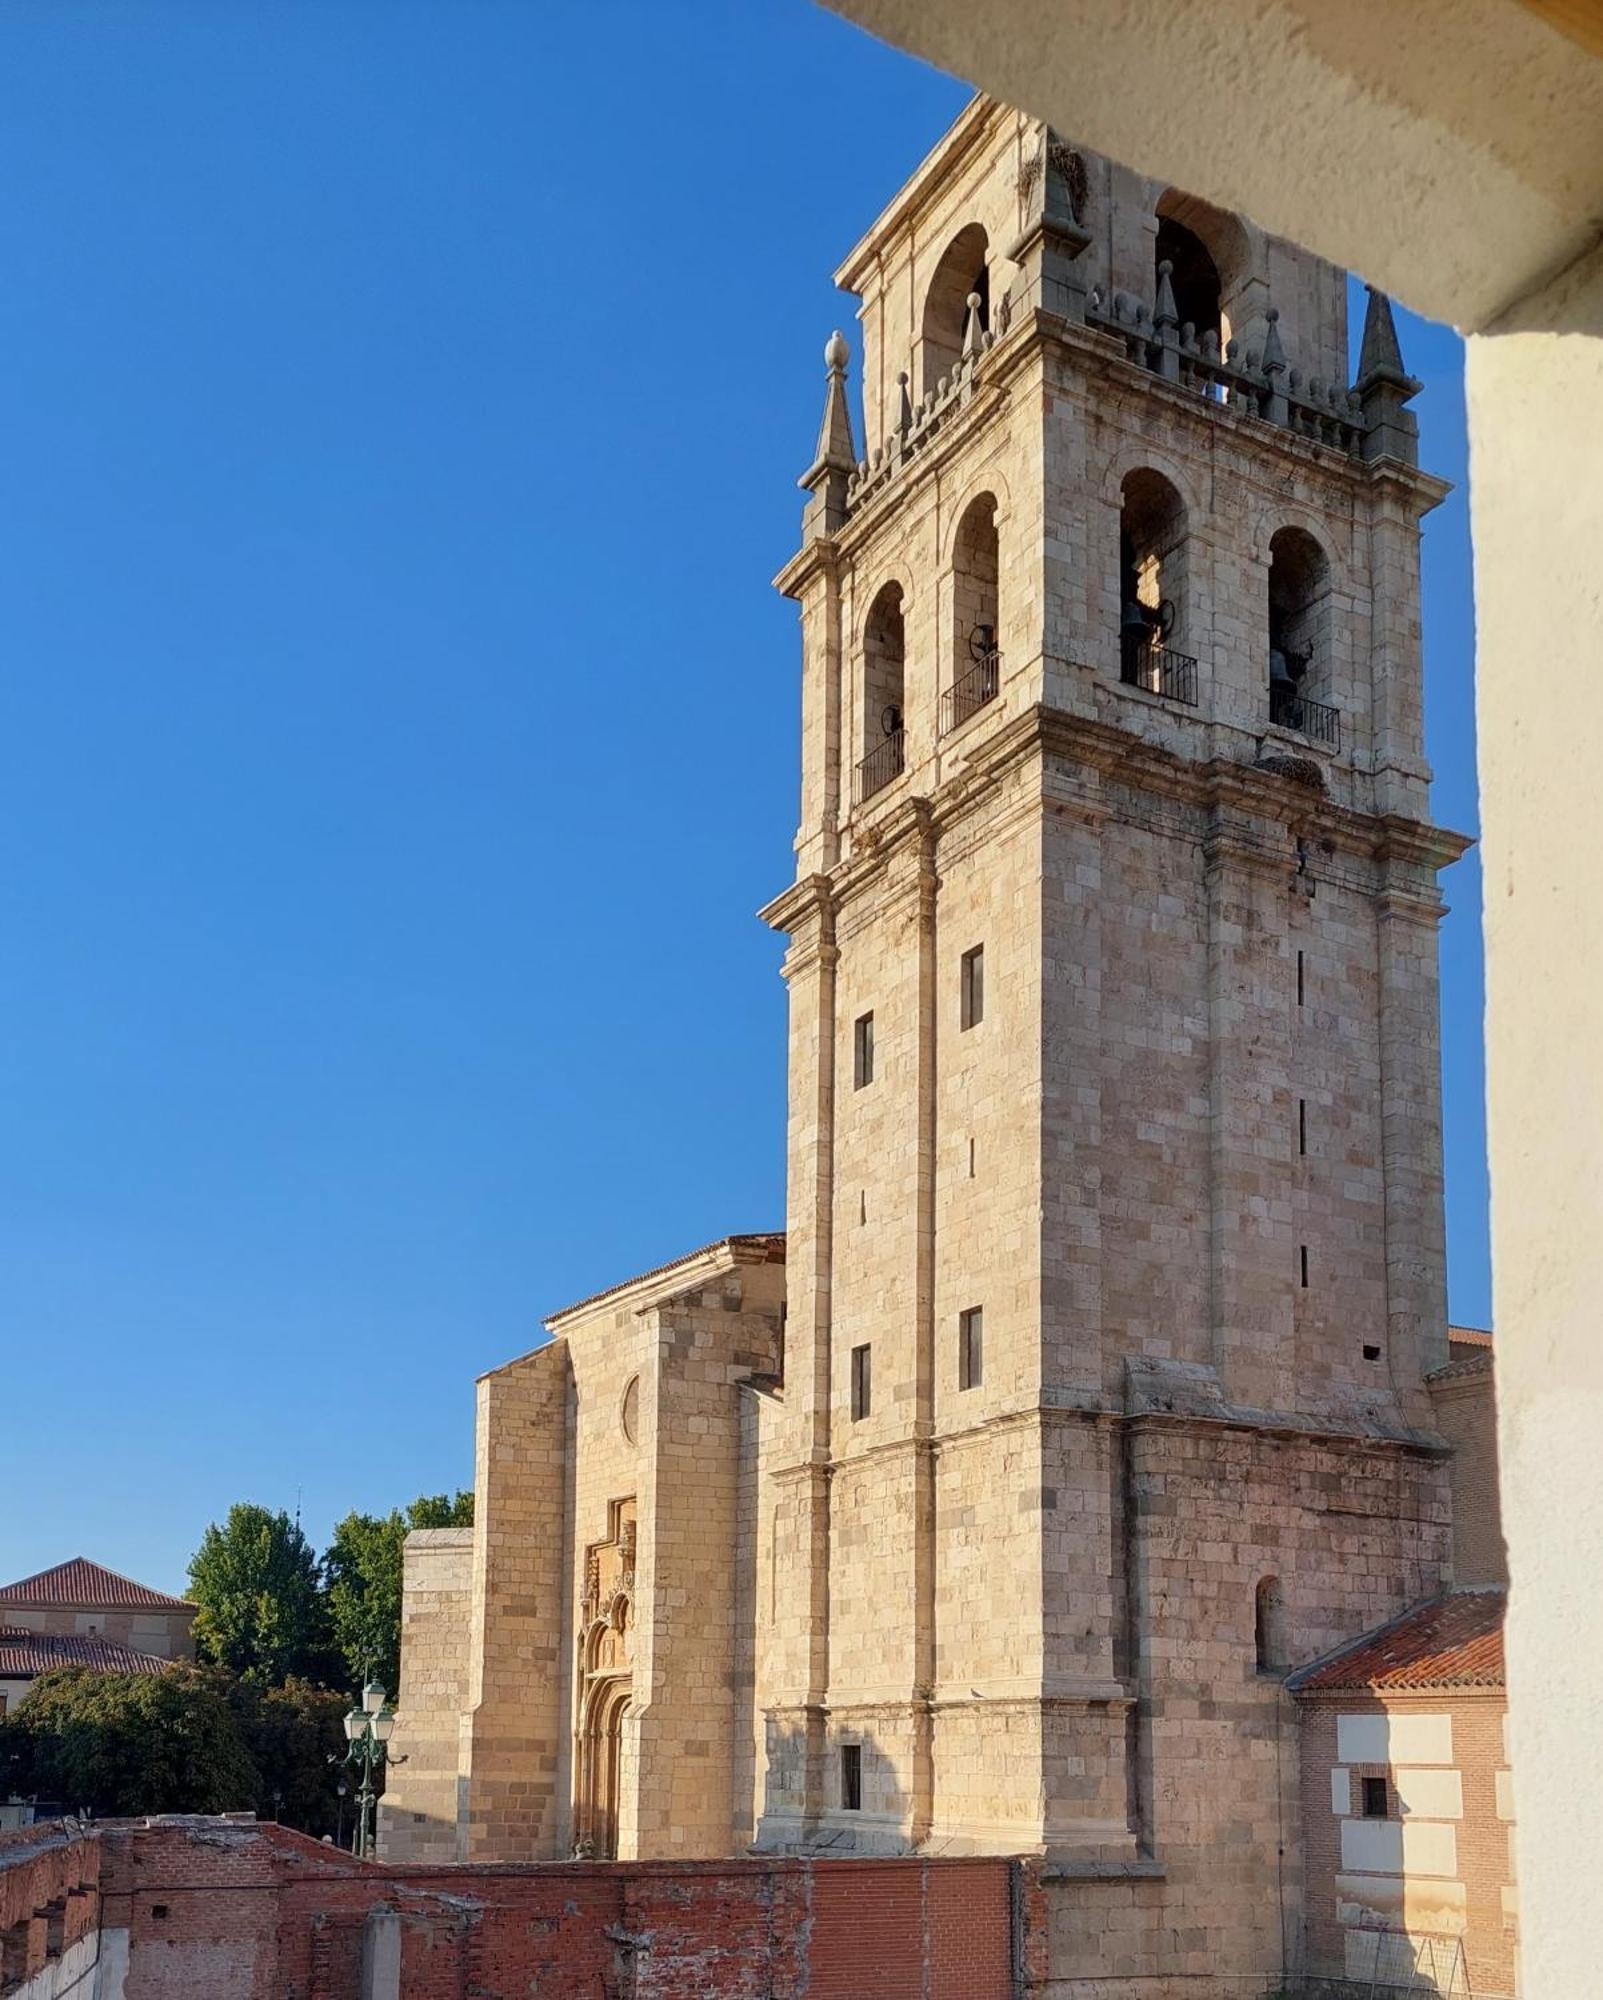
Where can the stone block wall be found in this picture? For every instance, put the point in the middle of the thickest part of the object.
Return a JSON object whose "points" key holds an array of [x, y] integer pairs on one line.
{"points": [[514, 1730], [418, 1817], [1463, 1396]]}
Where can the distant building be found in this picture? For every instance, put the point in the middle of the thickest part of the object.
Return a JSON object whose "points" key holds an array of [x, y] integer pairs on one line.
{"points": [[82, 1615]]}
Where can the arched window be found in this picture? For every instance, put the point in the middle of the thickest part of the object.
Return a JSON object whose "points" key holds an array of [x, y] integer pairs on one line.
{"points": [[1152, 588], [975, 659], [884, 669], [1299, 634], [962, 270], [1211, 259], [1194, 276], [1268, 1626]]}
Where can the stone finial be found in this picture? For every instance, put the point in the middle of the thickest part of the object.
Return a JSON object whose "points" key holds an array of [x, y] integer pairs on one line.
{"points": [[1166, 323], [972, 328], [1164, 311], [836, 458], [1379, 354], [1384, 387], [904, 412], [1273, 365], [835, 432]]}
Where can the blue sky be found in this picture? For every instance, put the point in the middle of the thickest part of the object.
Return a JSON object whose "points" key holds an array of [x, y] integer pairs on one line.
{"points": [[400, 410]]}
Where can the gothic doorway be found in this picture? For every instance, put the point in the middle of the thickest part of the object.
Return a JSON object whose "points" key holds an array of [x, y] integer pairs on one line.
{"points": [[606, 1659], [600, 1765]]}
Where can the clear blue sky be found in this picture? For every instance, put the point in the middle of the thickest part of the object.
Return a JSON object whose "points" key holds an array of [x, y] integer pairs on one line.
{"points": [[402, 406]]}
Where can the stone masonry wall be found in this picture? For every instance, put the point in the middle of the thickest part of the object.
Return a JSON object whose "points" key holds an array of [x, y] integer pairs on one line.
{"points": [[515, 1738], [418, 1815]]}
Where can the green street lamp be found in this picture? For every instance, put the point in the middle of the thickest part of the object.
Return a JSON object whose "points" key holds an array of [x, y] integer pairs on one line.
{"points": [[367, 1732]]}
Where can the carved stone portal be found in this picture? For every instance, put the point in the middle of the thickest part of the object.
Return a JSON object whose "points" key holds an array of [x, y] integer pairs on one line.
{"points": [[606, 1661]]}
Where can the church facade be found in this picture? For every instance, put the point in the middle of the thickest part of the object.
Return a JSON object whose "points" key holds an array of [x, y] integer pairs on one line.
{"points": [[1088, 1392]]}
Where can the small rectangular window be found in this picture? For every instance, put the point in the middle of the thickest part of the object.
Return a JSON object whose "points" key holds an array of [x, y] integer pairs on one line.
{"points": [[1376, 1803], [863, 1051], [862, 1382], [1371, 1353], [972, 1002], [851, 1777], [971, 1347]]}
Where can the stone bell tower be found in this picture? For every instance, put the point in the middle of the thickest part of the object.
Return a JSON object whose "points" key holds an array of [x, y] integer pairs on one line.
{"points": [[1115, 1224]]}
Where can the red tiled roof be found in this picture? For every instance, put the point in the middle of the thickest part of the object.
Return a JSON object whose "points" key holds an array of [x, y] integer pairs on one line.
{"points": [[85, 1585], [26, 1654], [1468, 1336], [1453, 1641]]}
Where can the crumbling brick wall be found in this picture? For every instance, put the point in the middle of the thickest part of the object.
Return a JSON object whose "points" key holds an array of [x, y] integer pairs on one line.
{"points": [[220, 1910]]}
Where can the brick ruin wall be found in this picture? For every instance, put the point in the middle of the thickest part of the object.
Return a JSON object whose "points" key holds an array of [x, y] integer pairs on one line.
{"points": [[209, 1909]]}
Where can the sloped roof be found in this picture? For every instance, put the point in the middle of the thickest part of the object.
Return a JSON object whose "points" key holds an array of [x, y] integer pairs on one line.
{"points": [[1451, 1641], [768, 1244], [24, 1655], [80, 1583]]}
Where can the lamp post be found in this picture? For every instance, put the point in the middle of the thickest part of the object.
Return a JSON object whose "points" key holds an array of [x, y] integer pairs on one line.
{"points": [[367, 1732]]}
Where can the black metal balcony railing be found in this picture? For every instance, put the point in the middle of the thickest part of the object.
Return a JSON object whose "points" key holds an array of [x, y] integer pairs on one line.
{"points": [[885, 761], [1316, 720], [1158, 669], [971, 691]]}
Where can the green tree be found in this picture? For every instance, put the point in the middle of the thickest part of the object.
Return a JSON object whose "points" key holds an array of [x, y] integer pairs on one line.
{"points": [[124, 1744], [362, 1575], [295, 1735], [261, 1608]]}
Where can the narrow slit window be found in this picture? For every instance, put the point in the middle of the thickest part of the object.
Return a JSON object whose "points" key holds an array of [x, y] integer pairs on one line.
{"points": [[1267, 1624], [851, 1777], [972, 1001], [1302, 1125], [971, 1347], [971, 1156], [863, 1051], [1377, 1804], [1299, 979], [1304, 1257], [862, 1382]]}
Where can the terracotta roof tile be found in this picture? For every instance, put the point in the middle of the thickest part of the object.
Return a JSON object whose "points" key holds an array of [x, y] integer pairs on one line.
{"points": [[87, 1586], [23, 1655], [1453, 1641]]}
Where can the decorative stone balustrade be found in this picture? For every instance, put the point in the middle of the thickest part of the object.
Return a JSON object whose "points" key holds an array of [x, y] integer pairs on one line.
{"points": [[918, 424], [1369, 421]]}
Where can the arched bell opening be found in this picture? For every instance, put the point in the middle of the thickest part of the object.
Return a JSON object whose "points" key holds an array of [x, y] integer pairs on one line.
{"points": [[882, 731], [962, 272], [1299, 635], [1153, 588], [976, 659]]}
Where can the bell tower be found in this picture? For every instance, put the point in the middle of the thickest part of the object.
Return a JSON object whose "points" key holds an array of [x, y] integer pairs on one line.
{"points": [[1115, 1229]]}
